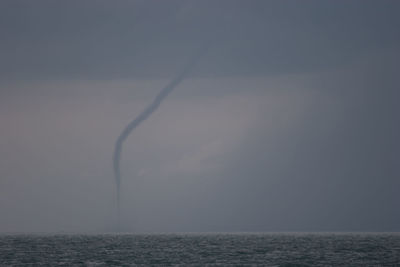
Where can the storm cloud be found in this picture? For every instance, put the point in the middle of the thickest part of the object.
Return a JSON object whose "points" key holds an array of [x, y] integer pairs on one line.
{"points": [[289, 125]]}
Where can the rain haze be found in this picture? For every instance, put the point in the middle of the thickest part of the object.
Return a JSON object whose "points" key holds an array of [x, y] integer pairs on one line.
{"points": [[289, 121]]}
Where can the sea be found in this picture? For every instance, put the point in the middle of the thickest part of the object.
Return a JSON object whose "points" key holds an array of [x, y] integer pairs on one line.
{"points": [[192, 249]]}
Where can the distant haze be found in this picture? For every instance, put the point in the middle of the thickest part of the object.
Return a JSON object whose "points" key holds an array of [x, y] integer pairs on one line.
{"points": [[289, 122]]}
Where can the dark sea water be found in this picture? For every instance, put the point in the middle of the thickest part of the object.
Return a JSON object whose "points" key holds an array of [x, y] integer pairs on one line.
{"points": [[300, 249]]}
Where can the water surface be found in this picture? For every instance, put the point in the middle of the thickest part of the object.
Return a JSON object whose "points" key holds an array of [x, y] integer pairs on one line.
{"points": [[300, 249]]}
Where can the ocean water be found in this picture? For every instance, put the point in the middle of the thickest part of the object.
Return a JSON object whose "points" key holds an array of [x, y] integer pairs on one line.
{"points": [[300, 249]]}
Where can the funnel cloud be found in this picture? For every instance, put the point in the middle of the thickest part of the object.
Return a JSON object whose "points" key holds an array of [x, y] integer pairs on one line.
{"points": [[146, 114]]}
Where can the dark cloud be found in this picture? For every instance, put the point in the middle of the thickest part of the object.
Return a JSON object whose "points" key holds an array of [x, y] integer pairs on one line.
{"points": [[136, 39]]}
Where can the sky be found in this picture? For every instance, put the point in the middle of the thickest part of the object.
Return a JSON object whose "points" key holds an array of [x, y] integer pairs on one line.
{"points": [[288, 122]]}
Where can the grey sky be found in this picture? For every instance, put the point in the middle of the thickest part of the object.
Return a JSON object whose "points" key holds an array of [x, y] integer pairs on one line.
{"points": [[288, 123]]}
